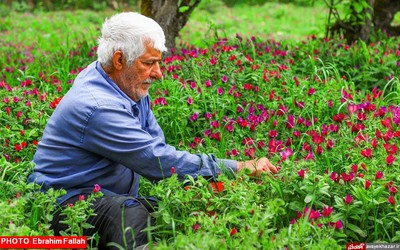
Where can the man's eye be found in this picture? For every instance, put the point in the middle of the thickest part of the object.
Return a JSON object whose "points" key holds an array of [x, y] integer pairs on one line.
{"points": [[148, 63]]}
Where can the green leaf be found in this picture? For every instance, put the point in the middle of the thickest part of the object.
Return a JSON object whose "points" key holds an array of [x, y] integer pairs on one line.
{"points": [[358, 7], [309, 198], [183, 9], [357, 230]]}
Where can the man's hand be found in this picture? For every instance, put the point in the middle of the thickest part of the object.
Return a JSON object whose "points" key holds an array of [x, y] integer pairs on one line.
{"points": [[257, 166]]}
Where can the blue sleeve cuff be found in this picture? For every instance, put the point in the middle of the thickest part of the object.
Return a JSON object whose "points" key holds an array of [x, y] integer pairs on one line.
{"points": [[228, 167]]}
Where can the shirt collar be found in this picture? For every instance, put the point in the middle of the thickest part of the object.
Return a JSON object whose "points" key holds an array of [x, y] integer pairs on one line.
{"points": [[100, 69]]}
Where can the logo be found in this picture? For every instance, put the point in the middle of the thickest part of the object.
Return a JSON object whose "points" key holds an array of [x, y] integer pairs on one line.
{"points": [[356, 246]]}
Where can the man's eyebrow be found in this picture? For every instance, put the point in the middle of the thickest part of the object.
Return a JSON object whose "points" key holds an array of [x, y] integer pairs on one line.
{"points": [[152, 59]]}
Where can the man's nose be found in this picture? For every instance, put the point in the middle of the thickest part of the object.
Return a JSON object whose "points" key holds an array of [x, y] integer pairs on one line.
{"points": [[156, 71]]}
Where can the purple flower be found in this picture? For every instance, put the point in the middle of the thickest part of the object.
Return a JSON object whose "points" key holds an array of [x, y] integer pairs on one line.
{"points": [[224, 78]]}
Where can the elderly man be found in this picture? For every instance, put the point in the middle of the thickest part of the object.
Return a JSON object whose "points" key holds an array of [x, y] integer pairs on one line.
{"points": [[104, 132]]}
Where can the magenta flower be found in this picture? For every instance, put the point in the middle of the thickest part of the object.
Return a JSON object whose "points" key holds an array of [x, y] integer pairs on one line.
{"points": [[301, 173], [391, 200], [220, 91], [367, 153], [309, 156], [367, 184], [235, 152], [194, 117], [196, 227], [335, 177], [96, 188], [390, 159], [327, 210], [393, 189], [348, 199], [379, 175], [339, 224], [229, 127], [224, 78], [314, 214], [190, 101], [208, 83]]}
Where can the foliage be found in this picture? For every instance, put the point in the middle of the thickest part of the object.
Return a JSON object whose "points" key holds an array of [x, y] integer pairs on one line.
{"points": [[324, 111]]}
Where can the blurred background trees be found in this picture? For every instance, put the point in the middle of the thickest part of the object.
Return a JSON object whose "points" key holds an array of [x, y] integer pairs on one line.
{"points": [[351, 19]]}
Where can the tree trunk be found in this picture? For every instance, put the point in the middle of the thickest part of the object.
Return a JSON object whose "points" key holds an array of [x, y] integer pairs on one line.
{"points": [[384, 12], [172, 15], [367, 27]]}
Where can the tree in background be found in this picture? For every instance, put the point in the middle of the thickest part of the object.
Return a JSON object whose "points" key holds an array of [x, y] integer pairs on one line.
{"points": [[362, 18], [172, 15]]}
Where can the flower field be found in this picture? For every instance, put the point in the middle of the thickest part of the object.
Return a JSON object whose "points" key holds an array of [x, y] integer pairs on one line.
{"points": [[326, 112]]}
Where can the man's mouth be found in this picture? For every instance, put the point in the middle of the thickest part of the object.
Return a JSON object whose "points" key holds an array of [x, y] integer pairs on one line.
{"points": [[148, 80]]}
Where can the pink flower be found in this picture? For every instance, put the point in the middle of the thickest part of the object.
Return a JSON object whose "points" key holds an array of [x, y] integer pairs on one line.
{"points": [[314, 214], [390, 159], [220, 91], [393, 189], [196, 227], [81, 197], [379, 175], [208, 83], [96, 188], [367, 153], [329, 144], [339, 224], [348, 199], [301, 173], [327, 210], [335, 177], [367, 184], [391, 200]]}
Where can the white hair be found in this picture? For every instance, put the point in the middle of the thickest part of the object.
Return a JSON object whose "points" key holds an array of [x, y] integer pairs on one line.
{"points": [[129, 32]]}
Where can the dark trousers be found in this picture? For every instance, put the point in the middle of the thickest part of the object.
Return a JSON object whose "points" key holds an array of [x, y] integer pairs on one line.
{"points": [[119, 219]]}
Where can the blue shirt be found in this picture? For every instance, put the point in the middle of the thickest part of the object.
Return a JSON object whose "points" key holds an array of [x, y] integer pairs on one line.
{"points": [[98, 135]]}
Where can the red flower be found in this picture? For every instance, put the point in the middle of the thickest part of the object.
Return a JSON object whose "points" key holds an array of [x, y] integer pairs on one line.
{"points": [[301, 173], [327, 210], [390, 159], [172, 170], [391, 200], [217, 186], [348, 199], [367, 153], [354, 168], [329, 144], [314, 214], [18, 147], [393, 189], [96, 188], [367, 184], [233, 231], [379, 175], [339, 224], [196, 227]]}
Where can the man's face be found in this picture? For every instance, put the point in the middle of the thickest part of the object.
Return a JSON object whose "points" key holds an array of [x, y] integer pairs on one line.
{"points": [[135, 80]]}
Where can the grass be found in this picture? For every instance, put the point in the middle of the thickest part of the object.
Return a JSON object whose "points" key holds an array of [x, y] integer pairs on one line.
{"points": [[50, 30], [268, 21]]}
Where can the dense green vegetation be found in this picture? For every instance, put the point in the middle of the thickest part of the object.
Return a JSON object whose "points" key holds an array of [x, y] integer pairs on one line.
{"points": [[325, 111]]}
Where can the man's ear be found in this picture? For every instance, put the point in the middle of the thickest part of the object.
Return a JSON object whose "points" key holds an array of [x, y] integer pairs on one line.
{"points": [[118, 60]]}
